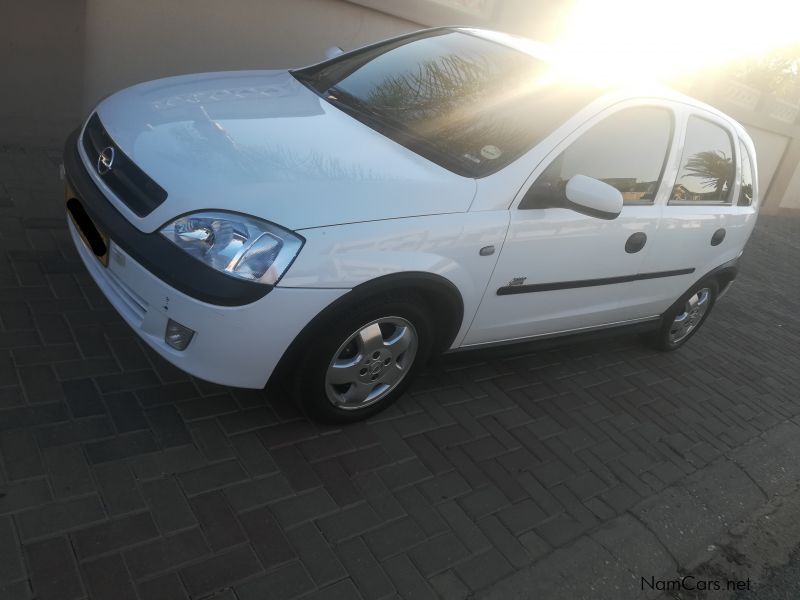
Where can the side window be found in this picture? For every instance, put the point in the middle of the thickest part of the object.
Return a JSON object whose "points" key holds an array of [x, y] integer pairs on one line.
{"points": [[626, 150], [707, 167], [746, 189]]}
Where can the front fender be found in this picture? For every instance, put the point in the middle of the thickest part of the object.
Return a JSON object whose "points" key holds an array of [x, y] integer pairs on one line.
{"points": [[345, 256]]}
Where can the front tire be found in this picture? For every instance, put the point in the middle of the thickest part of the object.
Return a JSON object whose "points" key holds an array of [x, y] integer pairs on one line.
{"points": [[360, 360], [685, 317]]}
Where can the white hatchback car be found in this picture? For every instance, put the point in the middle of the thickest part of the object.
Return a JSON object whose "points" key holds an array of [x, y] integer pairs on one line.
{"points": [[439, 191]]}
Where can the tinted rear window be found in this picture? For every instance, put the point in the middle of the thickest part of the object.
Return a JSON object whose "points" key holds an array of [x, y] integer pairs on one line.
{"points": [[467, 103], [707, 166]]}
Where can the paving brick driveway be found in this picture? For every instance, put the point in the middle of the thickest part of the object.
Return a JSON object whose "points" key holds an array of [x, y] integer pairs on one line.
{"points": [[123, 478]]}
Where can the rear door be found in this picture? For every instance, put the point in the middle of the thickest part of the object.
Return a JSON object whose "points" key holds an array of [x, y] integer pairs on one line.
{"points": [[560, 270], [699, 224]]}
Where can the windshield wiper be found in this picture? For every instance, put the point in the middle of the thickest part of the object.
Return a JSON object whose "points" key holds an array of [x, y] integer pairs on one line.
{"points": [[337, 95]]}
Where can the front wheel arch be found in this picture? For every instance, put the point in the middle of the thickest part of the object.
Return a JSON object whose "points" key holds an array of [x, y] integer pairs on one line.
{"points": [[441, 296]]}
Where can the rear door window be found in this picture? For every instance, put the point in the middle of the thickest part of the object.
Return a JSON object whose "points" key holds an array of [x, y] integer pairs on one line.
{"points": [[707, 167]]}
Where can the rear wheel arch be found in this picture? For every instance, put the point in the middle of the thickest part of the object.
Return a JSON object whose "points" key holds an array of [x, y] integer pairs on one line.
{"points": [[722, 275], [441, 296]]}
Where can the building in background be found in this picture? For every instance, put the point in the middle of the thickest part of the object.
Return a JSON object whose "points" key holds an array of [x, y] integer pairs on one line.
{"points": [[59, 57]]}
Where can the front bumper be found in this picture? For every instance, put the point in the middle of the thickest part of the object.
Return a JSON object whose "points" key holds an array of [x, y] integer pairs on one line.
{"points": [[232, 345]]}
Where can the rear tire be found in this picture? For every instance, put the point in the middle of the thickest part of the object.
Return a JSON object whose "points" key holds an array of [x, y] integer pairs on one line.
{"points": [[684, 319], [361, 359]]}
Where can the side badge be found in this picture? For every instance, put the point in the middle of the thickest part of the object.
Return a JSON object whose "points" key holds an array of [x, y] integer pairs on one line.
{"points": [[517, 281]]}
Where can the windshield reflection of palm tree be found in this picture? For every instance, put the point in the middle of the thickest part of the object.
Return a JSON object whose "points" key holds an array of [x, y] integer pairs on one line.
{"points": [[446, 100], [713, 168]]}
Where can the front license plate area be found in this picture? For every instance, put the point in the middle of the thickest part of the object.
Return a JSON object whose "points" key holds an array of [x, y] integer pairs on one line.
{"points": [[91, 235]]}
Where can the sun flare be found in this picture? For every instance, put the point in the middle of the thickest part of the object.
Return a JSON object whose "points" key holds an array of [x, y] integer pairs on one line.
{"points": [[645, 41]]}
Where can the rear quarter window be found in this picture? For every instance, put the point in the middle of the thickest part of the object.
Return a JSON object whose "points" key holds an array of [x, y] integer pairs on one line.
{"points": [[746, 187]]}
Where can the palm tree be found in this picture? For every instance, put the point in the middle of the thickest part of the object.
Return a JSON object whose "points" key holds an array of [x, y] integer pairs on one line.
{"points": [[713, 167]]}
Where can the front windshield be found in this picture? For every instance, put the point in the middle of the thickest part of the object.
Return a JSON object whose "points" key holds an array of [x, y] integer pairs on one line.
{"points": [[467, 103]]}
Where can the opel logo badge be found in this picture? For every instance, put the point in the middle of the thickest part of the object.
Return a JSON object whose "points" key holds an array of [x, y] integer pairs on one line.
{"points": [[105, 160]]}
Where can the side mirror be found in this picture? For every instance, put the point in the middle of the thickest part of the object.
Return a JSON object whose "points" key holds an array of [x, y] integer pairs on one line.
{"points": [[333, 52], [593, 197]]}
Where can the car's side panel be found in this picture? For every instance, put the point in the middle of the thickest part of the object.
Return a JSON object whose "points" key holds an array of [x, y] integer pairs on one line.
{"points": [[560, 246], [447, 245]]}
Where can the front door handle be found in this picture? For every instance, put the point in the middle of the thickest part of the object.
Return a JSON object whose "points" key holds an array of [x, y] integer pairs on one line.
{"points": [[636, 242]]}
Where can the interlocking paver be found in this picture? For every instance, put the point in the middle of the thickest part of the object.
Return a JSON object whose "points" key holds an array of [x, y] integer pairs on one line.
{"points": [[117, 467], [114, 535], [68, 471], [167, 503], [282, 584], [165, 587], [393, 538], [20, 455], [256, 492], [217, 520], [318, 557], [364, 569], [107, 579], [54, 573], [212, 477], [166, 553], [59, 516], [220, 571], [439, 554], [11, 567], [266, 537]]}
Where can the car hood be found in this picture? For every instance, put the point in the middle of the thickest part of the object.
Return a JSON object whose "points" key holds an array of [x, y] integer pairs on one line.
{"points": [[261, 143]]}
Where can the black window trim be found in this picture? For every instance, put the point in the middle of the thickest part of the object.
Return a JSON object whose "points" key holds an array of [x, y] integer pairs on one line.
{"points": [[734, 157], [603, 115]]}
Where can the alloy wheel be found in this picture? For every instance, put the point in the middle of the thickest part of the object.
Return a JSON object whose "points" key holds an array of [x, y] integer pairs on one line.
{"points": [[371, 363], [691, 316]]}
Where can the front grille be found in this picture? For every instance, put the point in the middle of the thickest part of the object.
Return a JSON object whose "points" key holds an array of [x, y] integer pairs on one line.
{"points": [[128, 182]]}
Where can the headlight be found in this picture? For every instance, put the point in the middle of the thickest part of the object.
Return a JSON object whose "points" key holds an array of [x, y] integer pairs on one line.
{"points": [[240, 246]]}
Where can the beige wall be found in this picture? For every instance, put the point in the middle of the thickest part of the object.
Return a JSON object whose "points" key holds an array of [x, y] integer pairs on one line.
{"points": [[41, 65], [539, 19], [131, 41], [770, 147], [791, 198]]}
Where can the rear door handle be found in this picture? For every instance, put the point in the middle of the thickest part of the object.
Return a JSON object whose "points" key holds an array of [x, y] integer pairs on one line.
{"points": [[636, 242]]}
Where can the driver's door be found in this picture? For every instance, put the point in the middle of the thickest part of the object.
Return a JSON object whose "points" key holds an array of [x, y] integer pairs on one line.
{"points": [[560, 270]]}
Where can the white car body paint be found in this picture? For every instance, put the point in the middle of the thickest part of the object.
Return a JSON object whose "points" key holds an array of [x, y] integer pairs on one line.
{"points": [[368, 207], [447, 245], [281, 153], [228, 347]]}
